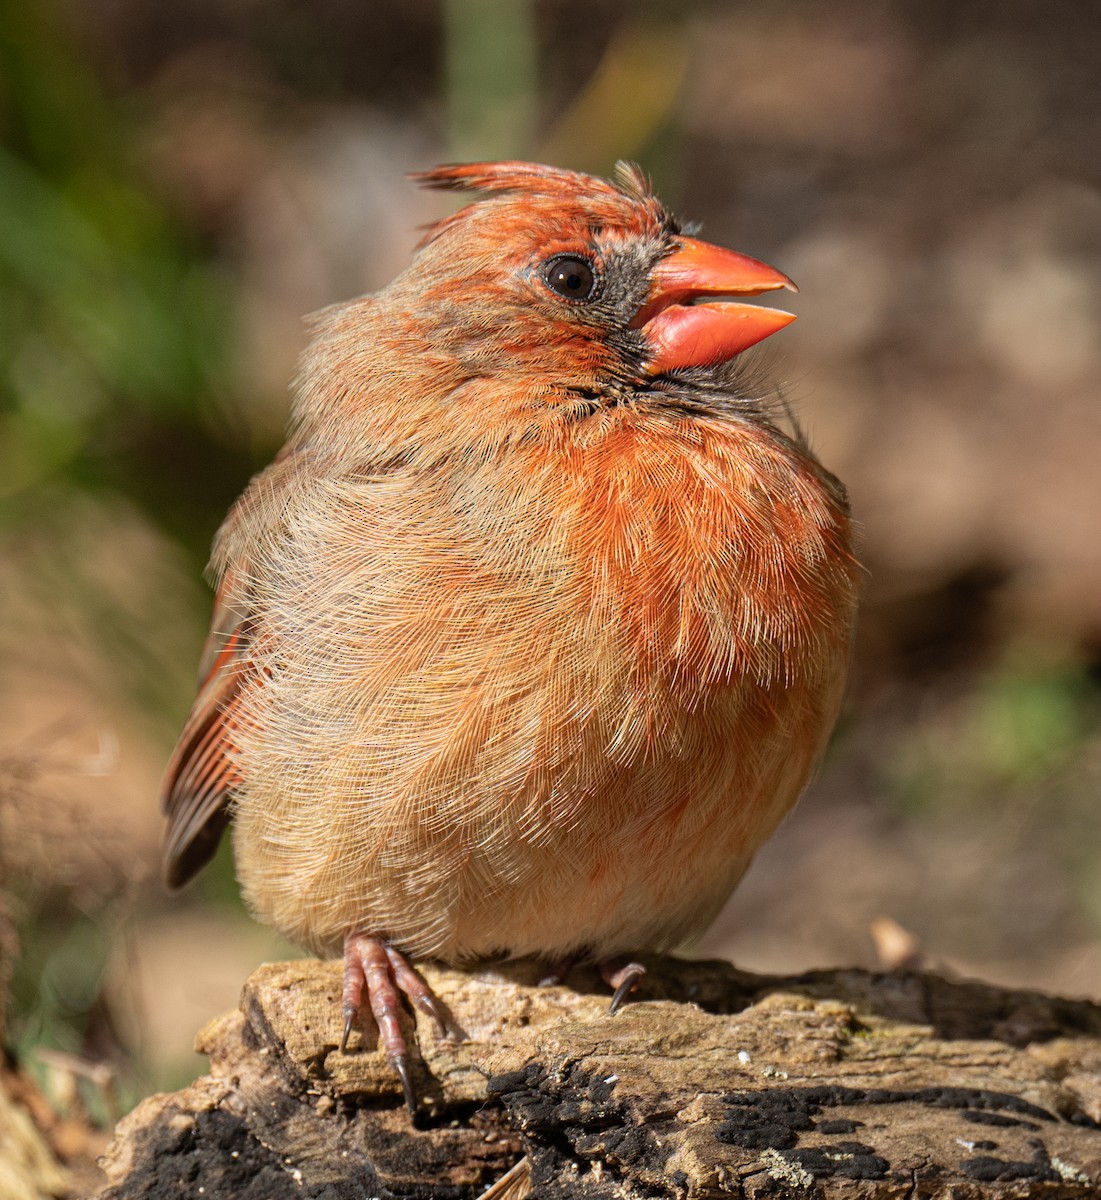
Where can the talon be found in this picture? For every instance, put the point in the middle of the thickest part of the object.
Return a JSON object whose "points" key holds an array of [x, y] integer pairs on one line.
{"points": [[623, 979], [375, 973], [351, 1000], [400, 1063], [412, 984]]}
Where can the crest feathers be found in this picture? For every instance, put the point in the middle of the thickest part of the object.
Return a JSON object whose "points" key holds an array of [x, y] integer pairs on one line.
{"points": [[528, 177], [600, 196]]}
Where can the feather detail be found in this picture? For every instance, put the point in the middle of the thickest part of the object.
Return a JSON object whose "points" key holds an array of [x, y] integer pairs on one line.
{"points": [[524, 647], [201, 776], [511, 177], [629, 200]]}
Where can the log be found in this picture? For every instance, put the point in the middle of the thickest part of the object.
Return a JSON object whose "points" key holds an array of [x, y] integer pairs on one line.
{"points": [[711, 1082]]}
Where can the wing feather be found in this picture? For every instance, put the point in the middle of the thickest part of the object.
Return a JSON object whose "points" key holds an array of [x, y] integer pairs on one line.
{"points": [[201, 776]]}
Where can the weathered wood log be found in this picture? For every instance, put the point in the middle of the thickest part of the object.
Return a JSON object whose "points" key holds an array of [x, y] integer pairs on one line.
{"points": [[712, 1082]]}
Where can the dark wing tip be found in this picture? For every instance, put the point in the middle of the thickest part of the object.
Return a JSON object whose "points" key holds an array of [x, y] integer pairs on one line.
{"points": [[184, 859]]}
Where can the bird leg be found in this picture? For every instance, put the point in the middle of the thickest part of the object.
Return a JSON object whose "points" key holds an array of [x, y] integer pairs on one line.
{"points": [[371, 966], [622, 978]]}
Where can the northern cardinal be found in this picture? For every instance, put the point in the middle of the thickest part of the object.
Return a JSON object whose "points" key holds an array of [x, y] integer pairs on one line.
{"points": [[538, 624]]}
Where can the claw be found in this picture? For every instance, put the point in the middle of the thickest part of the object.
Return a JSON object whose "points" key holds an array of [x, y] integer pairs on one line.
{"points": [[400, 1063], [375, 973], [623, 979], [419, 993]]}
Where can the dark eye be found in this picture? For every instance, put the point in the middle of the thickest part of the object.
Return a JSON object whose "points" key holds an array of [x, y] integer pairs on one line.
{"points": [[573, 278]]}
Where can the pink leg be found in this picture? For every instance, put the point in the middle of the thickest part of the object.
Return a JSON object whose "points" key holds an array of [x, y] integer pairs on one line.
{"points": [[371, 966], [420, 994], [623, 978]]}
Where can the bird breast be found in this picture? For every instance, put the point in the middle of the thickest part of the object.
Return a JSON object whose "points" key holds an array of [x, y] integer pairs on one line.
{"points": [[500, 706]]}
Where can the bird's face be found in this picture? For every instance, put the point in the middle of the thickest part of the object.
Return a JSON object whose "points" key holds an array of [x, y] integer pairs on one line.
{"points": [[556, 296], [580, 284]]}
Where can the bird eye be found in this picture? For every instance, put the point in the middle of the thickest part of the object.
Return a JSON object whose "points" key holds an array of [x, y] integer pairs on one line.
{"points": [[573, 278]]}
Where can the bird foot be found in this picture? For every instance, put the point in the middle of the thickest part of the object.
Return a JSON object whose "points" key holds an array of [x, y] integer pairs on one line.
{"points": [[375, 972], [622, 978]]}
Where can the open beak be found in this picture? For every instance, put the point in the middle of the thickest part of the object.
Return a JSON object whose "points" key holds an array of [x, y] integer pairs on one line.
{"points": [[683, 332]]}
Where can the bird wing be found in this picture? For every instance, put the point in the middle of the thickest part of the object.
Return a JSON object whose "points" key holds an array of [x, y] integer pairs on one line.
{"points": [[201, 774]]}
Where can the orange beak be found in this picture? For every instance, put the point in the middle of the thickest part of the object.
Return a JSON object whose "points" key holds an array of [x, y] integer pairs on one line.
{"points": [[682, 333]]}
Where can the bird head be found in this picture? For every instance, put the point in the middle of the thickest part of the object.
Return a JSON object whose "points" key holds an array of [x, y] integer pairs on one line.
{"points": [[552, 295], [579, 280]]}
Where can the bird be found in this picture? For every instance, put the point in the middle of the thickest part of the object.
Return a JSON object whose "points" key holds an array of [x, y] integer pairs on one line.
{"points": [[538, 624]]}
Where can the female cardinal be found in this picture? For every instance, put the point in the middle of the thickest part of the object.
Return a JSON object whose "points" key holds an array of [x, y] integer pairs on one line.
{"points": [[537, 626]]}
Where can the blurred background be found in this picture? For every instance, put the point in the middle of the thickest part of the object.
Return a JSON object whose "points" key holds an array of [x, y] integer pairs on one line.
{"points": [[180, 184]]}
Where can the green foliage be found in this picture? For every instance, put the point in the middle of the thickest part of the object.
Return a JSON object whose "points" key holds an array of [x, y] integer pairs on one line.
{"points": [[1019, 730], [113, 321], [491, 77], [1032, 723]]}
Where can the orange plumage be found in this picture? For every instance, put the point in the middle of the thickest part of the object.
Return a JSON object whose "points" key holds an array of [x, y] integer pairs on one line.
{"points": [[537, 626]]}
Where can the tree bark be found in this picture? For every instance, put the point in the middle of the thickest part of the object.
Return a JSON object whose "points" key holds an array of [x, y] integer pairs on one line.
{"points": [[712, 1082]]}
